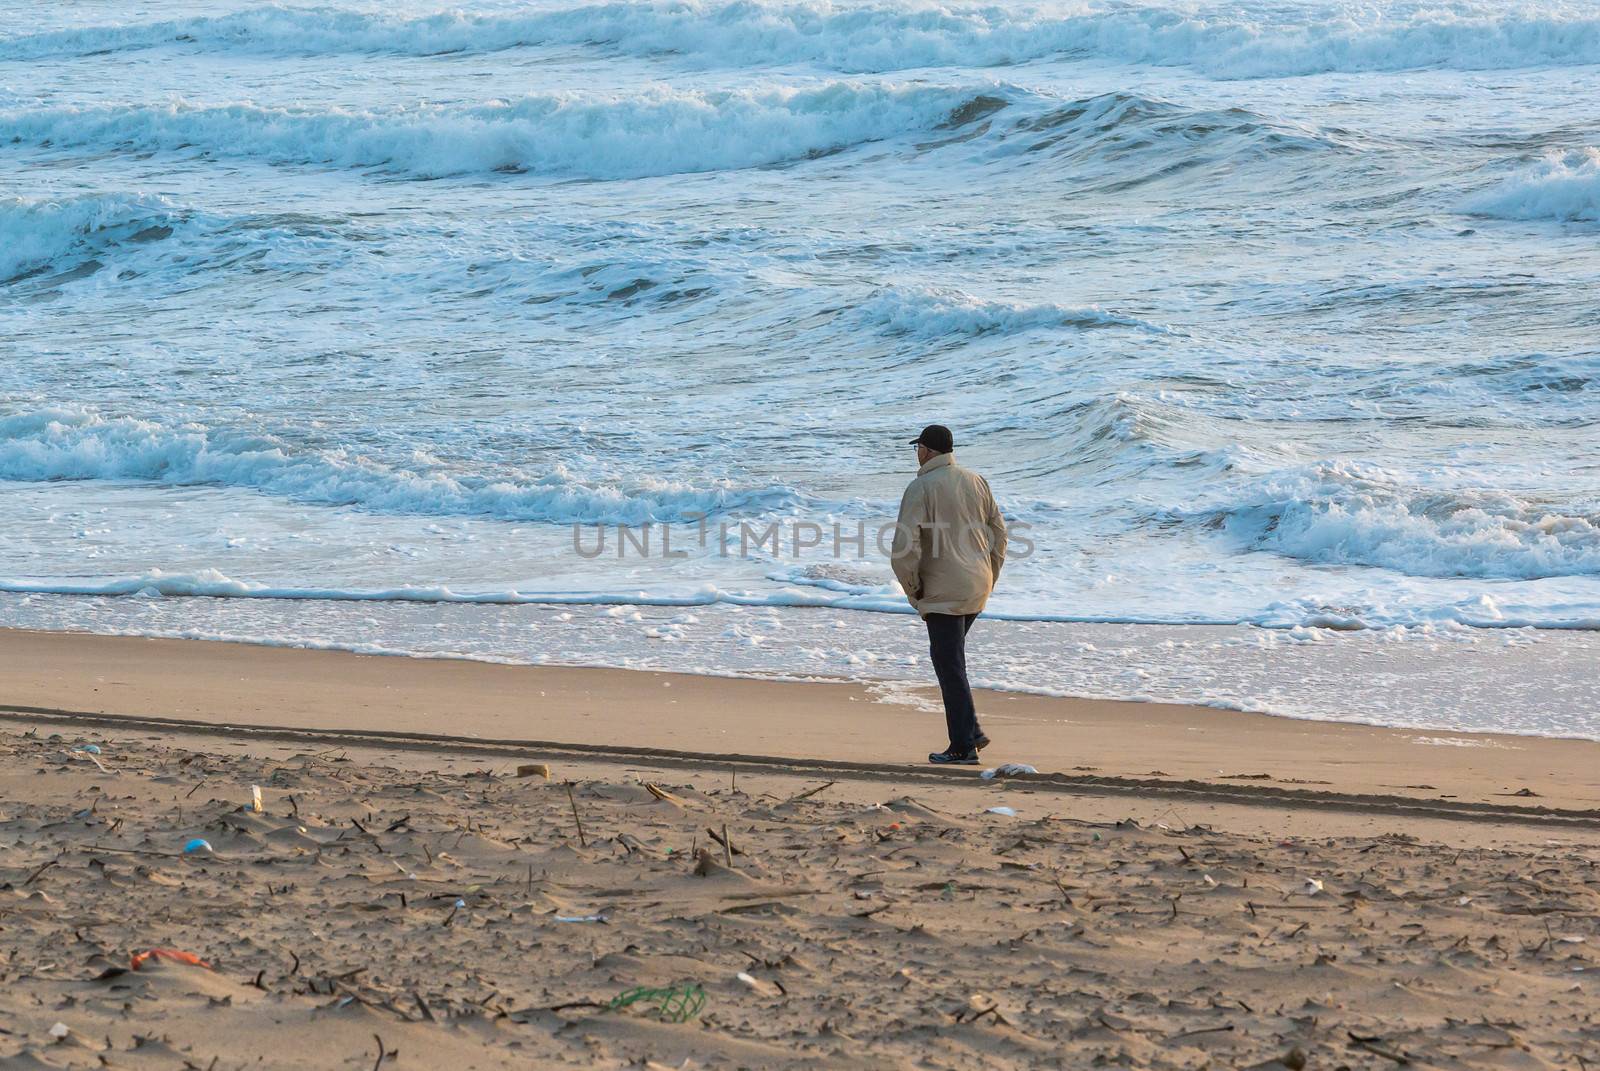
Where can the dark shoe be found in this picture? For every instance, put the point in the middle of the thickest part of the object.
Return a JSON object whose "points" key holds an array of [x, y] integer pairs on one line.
{"points": [[980, 743], [952, 757]]}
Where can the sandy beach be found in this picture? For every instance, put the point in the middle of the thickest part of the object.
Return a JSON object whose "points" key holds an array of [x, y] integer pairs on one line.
{"points": [[797, 535], [687, 717], [799, 893], [451, 913]]}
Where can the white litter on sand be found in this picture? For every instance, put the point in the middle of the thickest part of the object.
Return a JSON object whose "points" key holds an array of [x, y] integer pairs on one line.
{"points": [[1008, 769]]}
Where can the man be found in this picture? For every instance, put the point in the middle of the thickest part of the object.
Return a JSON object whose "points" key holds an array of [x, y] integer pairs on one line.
{"points": [[949, 545]]}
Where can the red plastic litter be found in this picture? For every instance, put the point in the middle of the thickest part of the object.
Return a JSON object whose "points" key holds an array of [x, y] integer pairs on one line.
{"points": [[139, 958]]}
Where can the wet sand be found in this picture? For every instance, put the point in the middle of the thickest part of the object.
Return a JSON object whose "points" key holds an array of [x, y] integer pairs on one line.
{"points": [[692, 715]]}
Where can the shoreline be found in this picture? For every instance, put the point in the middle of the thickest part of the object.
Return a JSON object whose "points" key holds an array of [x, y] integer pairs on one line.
{"points": [[270, 687], [1517, 682], [186, 586]]}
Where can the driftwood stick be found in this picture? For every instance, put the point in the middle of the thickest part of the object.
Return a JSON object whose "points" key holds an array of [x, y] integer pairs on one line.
{"points": [[808, 793], [1202, 1030], [1371, 1045], [42, 869], [582, 841], [722, 839], [1064, 894], [129, 851]]}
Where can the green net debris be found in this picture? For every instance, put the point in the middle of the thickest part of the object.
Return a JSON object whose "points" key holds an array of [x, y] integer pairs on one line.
{"points": [[673, 1004]]}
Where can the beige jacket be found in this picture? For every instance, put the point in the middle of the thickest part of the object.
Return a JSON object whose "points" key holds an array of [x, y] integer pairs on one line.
{"points": [[950, 540]]}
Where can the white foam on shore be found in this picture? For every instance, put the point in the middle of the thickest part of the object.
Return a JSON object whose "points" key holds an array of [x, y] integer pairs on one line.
{"points": [[1429, 678], [1300, 620]]}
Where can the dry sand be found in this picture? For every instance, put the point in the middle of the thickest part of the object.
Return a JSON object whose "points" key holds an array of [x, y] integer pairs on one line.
{"points": [[411, 901], [453, 913]]}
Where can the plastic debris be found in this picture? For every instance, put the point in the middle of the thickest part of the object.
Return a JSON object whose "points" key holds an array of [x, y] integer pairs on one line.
{"points": [[255, 799], [674, 1004], [580, 918], [981, 1004], [1312, 887], [766, 989], [198, 844], [1007, 769], [60, 1031], [139, 959], [1211, 882], [90, 751], [1009, 812], [534, 769]]}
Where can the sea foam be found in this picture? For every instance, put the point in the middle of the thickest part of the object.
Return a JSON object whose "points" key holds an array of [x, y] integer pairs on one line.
{"points": [[930, 313], [35, 234], [653, 132], [79, 444], [1229, 42], [1562, 186], [1350, 513]]}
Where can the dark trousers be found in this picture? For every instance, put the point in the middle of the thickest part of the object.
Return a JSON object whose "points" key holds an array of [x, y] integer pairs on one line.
{"points": [[947, 643]]}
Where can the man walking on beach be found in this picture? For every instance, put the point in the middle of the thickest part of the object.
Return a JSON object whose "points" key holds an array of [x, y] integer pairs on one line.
{"points": [[949, 545]]}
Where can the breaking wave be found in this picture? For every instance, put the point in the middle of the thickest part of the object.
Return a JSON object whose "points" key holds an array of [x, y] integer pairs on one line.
{"points": [[657, 132], [1136, 139], [1563, 186], [1347, 513], [939, 313], [1133, 139], [38, 234], [79, 444], [1227, 43]]}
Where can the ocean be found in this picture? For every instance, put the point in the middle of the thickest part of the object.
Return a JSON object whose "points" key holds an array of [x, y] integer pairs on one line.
{"points": [[1272, 324]]}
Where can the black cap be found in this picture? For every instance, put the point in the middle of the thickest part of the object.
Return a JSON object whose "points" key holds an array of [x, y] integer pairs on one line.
{"points": [[936, 437]]}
